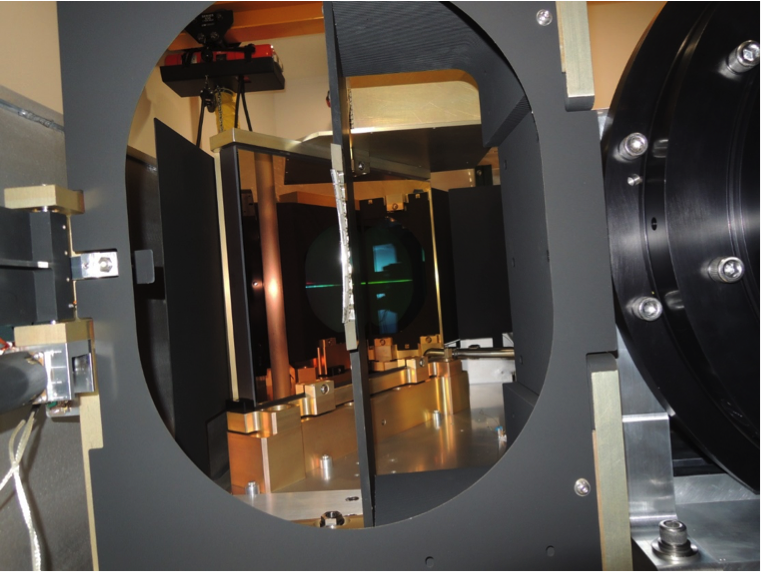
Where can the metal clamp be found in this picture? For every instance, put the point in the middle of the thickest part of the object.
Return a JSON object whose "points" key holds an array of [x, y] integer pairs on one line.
{"points": [[94, 265]]}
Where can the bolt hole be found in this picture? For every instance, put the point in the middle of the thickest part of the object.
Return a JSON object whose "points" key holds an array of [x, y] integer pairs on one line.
{"points": [[429, 563], [550, 551], [654, 223], [351, 499]]}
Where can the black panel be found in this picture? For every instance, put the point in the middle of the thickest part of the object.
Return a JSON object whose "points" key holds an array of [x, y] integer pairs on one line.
{"points": [[150, 302], [300, 225], [194, 296], [442, 228], [404, 495], [480, 262]]}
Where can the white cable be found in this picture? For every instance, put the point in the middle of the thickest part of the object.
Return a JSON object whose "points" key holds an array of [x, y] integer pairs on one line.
{"points": [[15, 472]]}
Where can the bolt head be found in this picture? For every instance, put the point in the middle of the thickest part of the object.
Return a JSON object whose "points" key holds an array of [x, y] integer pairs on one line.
{"points": [[544, 17], [582, 487], [633, 146], [633, 180], [324, 389], [749, 53], [726, 269], [647, 308], [105, 264], [332, 519]]}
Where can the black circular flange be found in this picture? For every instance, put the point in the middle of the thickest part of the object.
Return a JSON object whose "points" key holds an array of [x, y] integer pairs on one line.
{"points": [[690, 199]]}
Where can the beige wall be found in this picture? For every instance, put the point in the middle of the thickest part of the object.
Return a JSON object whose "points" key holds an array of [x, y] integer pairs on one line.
{"points": [[30, 62], [615, 29]]}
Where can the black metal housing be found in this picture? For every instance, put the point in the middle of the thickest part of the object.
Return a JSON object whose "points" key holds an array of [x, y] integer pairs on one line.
{"points": [[697, 200], [154, 509]]}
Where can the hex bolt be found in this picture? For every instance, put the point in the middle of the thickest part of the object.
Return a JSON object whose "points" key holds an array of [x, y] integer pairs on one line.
{"points": [[744, 57], [105, 264], [582, 487], [633, 146], [672, 542], [252, 489], [647, 308], [726, 269], [332, 519], [544, 17], [633, 180], [326, 466]]}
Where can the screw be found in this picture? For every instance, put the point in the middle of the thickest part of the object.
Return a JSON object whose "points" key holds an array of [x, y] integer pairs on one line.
{"points": [[252, 489], [743, 58], [726, 269], [544, 17], [105, 264], [326, 466], [361, 166], [324, 389], [672, 542], [421, 363], [633, 146], [647, 308], [332, 519], [582, 487], [633, 180]]}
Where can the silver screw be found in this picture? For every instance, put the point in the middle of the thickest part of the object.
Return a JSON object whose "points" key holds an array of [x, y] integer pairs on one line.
{"points": [[582, 487], [647, 308], [324, 389], [726, 269], [633, 146], [672, 542], [105, 264], [326, 466], [544, 17], [633, 180], [744, 58], [252, 489]]}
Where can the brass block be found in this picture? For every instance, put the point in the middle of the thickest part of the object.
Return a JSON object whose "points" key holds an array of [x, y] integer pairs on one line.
{"points": [[250, 422], [330, 434], [305, 375], [385, 349], [273, 462], [452, 393], [58, 333], [417, 369], [280, 419], [371, 353], [430, 342], [344, 394], [402, 408], [407, 353], [319, 397], [386, 365], [51, 197], [446, 368], [396, 202], [389, 380]]}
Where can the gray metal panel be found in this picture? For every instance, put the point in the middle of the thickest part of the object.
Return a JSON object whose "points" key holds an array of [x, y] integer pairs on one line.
{"points": [[154, 510]]}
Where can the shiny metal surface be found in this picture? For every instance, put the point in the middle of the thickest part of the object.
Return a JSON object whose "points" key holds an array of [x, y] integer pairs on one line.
{"points": [[576, 55], [648, 447], [466, 439], [306, 505], [610, 464], [273, 276], [710, 488]]}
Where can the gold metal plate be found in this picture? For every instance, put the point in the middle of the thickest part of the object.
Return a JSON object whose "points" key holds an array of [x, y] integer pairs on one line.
{"points": [[58, 333], [50, 197]]}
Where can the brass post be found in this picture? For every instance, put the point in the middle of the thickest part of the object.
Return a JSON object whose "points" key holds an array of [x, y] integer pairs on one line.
{"points": [[273, 276]]}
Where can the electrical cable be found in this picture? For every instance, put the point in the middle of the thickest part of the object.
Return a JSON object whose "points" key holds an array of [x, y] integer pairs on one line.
{"points": [[200, 123], [245, 107], [15, 472]]}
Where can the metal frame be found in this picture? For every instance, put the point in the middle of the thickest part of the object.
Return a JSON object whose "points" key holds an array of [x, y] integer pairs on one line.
{"points": [[154, 509]]}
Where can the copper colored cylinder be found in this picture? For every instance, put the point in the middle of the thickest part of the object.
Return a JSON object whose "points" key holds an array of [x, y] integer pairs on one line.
{"points": [[273, 276]]}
